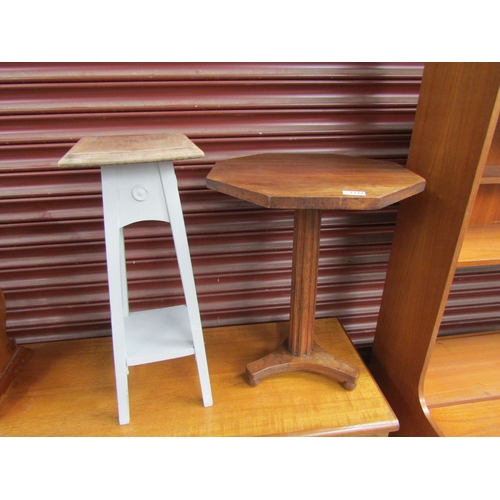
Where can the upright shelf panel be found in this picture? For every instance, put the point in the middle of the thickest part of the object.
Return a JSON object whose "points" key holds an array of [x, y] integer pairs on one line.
{"points": [[455, 146], [462, 384]]}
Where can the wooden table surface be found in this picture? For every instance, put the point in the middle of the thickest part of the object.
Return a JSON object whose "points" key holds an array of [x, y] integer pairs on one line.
{"points": [[68, 389], [123, 149], [317, 181]]}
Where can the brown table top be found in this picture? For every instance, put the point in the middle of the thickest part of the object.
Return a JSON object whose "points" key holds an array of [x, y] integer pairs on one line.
{"points": [[121, 149], [314, 180]]}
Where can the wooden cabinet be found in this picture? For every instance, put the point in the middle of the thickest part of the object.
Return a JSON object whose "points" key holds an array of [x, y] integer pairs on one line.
{"points": [[11, 355], [446, 385]]}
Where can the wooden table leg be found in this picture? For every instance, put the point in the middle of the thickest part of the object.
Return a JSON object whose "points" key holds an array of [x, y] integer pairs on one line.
{"points": [[300, 352]]}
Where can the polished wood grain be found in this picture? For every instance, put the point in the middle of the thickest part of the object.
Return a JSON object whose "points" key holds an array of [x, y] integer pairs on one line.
{"points": [[474, 419], [491, 175], [481, 246], [315, 181], [317, 360], [456, 118], [486, 209], [462, 386], [305, 260], [68, 389], [493, 159], [463, 368], [123, 149]]}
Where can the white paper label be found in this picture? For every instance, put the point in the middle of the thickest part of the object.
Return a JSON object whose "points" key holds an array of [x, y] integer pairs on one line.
{"points": [[354, 193]]}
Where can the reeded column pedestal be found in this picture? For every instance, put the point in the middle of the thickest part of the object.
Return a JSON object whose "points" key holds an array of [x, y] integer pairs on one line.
{"points": [[309, 183]]}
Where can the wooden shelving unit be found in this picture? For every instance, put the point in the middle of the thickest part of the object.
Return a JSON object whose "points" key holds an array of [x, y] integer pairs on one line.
{"points": [[444, 385], [462, 385]]}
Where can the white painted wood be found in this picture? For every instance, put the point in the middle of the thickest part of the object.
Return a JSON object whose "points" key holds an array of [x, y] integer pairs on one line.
{"points": [[179, 234], [117, 284], [133, 193], [158, 335], [140, 193]]}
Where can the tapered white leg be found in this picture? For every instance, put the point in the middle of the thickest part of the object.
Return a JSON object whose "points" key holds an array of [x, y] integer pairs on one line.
{"points": [[176, 216], [118, 295]]}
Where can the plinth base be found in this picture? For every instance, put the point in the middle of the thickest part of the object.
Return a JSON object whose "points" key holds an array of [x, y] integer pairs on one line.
{"points": [[318, 361], [17, 356]]}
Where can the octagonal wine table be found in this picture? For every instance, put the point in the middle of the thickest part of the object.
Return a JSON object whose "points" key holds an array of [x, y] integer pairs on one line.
{"points": [[309, 183]]}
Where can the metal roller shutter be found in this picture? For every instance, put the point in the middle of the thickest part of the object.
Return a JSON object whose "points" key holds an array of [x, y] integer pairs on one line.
{"points": [[52, 262]]}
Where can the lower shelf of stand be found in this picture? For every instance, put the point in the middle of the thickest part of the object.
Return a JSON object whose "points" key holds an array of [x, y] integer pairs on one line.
{"points": [[158, 335], [462, 385]]}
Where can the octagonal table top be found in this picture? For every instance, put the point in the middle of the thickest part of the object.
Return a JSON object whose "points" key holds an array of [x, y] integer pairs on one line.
{"points": [[314, 181]]}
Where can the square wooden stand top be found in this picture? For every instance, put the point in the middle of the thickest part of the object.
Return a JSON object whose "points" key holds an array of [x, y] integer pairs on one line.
{"points": [[122, 149]]}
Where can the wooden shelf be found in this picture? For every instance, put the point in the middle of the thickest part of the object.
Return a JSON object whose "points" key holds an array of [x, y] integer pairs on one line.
{"points": [[491, 175], [462, 386], [475, 419], [158, 335], [481, 246]]}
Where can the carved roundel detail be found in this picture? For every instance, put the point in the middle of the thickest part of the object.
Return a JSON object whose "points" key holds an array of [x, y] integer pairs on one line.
{"points": [[139, 192]]}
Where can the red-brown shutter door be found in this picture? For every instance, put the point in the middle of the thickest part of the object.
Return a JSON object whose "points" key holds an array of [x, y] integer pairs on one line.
{"points": [[52, 261]]}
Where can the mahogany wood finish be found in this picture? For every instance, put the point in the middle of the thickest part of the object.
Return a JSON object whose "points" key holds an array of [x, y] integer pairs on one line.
{"points": [[68, 389], [309, 183], [481, 246], [478, 355], [315, 181], [307, 225], [462, 386], [11, 355], [455, 136]]}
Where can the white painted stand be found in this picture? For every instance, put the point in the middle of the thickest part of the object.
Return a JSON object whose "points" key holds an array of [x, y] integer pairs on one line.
{"points": [[135, 192]]}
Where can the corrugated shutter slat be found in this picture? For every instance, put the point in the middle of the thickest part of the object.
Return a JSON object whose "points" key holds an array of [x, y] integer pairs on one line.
{"points": [[52, 260]]}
